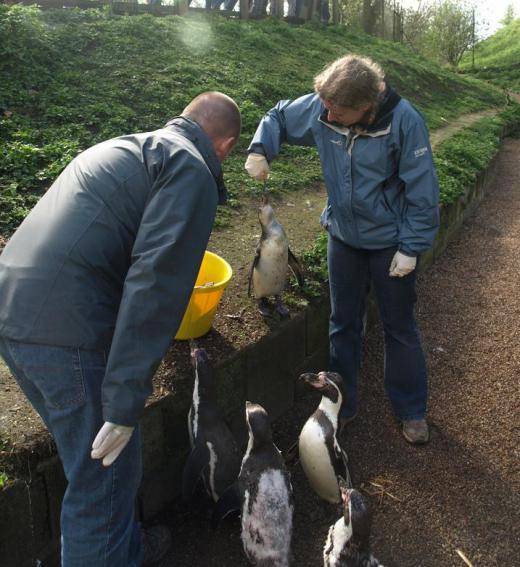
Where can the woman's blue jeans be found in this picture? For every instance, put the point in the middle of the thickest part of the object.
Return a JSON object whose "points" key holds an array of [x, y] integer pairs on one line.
{"points": [[351, 273], [98, 527]]}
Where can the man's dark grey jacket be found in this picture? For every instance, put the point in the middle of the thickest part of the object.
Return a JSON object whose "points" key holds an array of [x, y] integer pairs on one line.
{"points": [[108, 257]]}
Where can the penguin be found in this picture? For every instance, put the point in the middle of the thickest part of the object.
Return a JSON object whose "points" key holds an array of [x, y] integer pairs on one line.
{"points": [[214, 456], [269, 268], [263, 495], [348, 540], [322, 458]]}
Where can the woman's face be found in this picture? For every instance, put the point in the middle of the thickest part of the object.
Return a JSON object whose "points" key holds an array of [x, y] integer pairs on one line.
{"points": [[344, 115]]}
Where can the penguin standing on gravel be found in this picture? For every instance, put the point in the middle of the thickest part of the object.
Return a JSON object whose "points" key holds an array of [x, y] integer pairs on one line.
{"points": [[322, 458], [215, 456], [348, 540], [269, 268], [263, 494]]}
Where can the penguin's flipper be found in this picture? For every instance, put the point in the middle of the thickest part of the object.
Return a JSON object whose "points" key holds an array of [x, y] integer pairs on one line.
{"points": [[254, 263], [296, 268], [347, 479], [228, 503], [195, 464]]}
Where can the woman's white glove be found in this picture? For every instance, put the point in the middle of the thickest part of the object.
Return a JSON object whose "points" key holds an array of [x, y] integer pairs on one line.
{"points": [[257, 166], [110, 441], [401, 265]]}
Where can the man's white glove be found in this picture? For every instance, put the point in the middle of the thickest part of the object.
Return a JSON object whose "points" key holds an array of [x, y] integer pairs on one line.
{"points": [[110, 441], [401, 265], [257, 166]]}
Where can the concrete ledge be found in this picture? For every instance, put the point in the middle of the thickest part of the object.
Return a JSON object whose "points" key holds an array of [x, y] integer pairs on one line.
{"points": [[264, 372]]}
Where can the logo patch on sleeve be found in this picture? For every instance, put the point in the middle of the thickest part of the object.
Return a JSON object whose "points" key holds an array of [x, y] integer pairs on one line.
{"points": [[420, 152]]}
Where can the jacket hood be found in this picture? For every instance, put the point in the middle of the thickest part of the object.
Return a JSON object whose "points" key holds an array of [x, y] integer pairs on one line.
{"points": [[193, 132]]}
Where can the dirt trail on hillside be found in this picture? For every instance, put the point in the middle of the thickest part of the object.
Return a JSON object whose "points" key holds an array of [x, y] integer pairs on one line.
{"points": [[453, 126], [462, 491]]}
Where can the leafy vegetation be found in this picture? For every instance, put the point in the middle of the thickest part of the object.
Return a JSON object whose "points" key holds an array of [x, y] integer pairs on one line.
{"points": [[497, 59], [71, 78], [442, 29], [460, 158]]}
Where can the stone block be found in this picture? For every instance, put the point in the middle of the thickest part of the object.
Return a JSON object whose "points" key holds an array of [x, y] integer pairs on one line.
{"points": [[442, 238], [230, 377], [272, 366], [50, 556], [16, 540], [317, 326], [152, 437], [159, 488], [41, 528], [55, 485], [175, 408], [426, 260]]}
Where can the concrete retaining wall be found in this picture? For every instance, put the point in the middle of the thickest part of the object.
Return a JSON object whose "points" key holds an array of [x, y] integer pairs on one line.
{"points": [[264, 372]]}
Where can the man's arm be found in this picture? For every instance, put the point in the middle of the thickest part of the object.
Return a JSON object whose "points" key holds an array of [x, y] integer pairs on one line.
{"points": [[166, 258]]}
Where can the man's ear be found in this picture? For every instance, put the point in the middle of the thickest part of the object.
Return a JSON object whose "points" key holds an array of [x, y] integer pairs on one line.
{"points": [[223, 147]]}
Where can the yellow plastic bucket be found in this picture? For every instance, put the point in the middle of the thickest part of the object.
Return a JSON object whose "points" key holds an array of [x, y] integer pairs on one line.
{"points": [[213, 278]]}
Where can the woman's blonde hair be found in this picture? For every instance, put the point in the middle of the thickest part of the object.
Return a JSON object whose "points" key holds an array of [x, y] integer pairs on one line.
{"points": [[351, 81]]}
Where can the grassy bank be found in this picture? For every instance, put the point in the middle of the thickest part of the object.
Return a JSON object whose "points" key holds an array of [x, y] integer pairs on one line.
{"points": [[71, 78], [497, 59]]}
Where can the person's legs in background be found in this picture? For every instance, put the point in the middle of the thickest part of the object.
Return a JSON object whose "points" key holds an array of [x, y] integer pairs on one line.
{"points": [[405, 365], [349, 283], [325, 12], [98, 511]]}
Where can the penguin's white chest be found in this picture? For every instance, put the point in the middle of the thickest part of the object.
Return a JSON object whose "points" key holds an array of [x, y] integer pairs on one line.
{"points": [[337, 539], [267, 521], [316, 461], [271, 270]]}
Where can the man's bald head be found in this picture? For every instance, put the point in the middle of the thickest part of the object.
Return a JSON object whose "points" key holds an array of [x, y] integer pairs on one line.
{"points": [[217, 114]]}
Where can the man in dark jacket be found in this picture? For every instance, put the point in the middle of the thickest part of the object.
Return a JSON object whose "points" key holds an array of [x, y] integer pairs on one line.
{"points": [[382, 212], [93, 286]]}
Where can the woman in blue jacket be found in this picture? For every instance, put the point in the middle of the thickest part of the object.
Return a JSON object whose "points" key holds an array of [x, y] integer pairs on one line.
{"points": [[382, 212]]}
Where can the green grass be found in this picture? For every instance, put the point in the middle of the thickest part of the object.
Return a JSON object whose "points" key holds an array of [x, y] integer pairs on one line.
{"points": [[497, 59], [72, 78], [460, 158], [3, 479]]}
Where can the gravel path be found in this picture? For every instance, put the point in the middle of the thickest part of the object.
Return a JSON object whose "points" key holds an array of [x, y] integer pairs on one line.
{"points": [[461, 492]]}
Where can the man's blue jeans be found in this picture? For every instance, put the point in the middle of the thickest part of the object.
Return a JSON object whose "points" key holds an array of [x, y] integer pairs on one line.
{"points": [[98, 527], [351, 273]]}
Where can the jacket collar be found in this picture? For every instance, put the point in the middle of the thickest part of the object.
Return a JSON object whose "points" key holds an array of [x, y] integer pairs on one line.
{"points": [[381, 122], [384, 114], [190, 130]]}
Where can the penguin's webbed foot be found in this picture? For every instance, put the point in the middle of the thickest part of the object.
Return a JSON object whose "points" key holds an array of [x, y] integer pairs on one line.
{"points": [[265, 308], [280, 308]]}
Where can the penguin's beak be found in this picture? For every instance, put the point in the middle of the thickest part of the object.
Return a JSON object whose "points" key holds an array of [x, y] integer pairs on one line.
{"points": [[315, 380], [264, 200], [193, 347]]}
